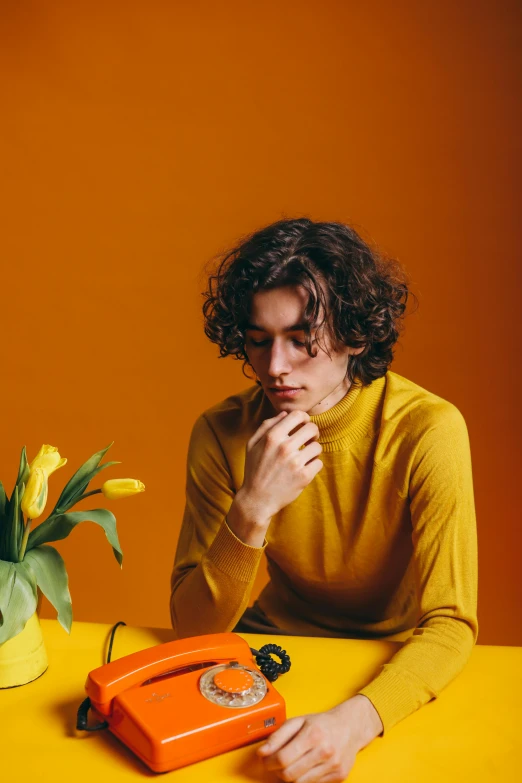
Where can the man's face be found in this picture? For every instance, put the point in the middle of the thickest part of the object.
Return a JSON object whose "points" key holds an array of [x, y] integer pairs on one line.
{"points": [[280, 357]]}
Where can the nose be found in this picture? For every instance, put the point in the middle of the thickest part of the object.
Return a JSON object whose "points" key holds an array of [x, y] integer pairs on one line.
{"points": [[279, 361]]}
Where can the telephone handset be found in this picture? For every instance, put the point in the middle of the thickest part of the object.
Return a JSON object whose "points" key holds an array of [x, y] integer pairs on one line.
{"points": [[183, 701]]}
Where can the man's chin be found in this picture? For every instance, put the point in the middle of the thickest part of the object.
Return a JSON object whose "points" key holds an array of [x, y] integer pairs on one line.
{"points": [[300, 403]]}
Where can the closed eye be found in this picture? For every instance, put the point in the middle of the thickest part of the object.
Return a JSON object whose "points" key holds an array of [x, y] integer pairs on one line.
{"points": [[264, 342]]}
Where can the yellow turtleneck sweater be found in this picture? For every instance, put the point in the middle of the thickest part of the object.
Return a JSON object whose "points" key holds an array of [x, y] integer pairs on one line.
{"points": [[382, 540]]}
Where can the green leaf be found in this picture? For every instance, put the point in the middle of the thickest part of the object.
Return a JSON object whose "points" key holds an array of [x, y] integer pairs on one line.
{"points": [[80, 480], [18, 598], [23, 470], [78, 494], [58, 527], [3, 501], [12, 529], [51, 577], [20, 523], [7, 577], [4, 508], [12, 525]]}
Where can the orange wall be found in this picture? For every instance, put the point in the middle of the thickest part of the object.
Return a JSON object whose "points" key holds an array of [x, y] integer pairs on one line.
{"points": [[140, 139]]}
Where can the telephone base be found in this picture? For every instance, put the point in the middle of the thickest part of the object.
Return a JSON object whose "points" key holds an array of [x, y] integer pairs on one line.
{"points": [[187, 700]]}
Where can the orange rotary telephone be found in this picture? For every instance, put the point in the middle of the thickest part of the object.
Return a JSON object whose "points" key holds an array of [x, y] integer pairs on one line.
{"points": [[187, 700]]}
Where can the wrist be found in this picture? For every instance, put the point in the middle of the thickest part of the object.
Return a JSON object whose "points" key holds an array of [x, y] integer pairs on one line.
{"points": [[251, 509], [360, 713], [246, 522]]}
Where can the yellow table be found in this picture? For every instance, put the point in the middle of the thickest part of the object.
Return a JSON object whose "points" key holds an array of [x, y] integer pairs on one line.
{"points": [[472, 732]]}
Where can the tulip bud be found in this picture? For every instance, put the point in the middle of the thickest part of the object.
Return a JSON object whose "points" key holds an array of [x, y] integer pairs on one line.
{"points": [[49, 459], [122, 488], [35, 495]]}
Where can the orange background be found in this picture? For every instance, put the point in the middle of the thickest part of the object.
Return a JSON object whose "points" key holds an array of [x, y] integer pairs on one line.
{"points": [[141, 139]]}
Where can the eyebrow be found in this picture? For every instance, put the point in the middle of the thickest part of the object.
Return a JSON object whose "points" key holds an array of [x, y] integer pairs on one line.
{"points": [[295, 328]]}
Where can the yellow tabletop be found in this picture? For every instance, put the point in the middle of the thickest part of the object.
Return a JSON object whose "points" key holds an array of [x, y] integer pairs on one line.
{"points": [[472, 732]]}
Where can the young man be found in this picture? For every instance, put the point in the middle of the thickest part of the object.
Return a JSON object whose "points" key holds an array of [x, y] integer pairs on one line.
{"points": [[355, 482]]}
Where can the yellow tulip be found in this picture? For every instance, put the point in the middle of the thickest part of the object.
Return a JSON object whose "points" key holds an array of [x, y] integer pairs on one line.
{"points": [[35, 494], [122, 488], [49, 459]]}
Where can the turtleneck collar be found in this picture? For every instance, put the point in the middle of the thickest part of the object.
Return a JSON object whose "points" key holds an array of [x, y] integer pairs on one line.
{"points": [[351, 417]]}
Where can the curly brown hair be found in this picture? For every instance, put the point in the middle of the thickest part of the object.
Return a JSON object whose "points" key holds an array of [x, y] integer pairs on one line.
{"points": [[366, 293]]}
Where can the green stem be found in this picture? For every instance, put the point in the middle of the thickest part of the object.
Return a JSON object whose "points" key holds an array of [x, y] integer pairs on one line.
{"points": [[57, 511], [92, 492], [24, 540]]}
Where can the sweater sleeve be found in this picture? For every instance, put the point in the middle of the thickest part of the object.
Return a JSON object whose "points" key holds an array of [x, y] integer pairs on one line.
{"points": [[213, 571], [445, 564]]}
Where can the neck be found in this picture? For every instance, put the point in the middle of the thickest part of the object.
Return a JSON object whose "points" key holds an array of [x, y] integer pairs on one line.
{"points": [[332, 399]]}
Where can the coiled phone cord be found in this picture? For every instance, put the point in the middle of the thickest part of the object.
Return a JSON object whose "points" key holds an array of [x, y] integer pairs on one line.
{"points": [[269, 667]]}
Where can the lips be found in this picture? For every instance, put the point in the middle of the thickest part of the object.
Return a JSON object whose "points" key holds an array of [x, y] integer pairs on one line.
{"points": [[286, 393]]}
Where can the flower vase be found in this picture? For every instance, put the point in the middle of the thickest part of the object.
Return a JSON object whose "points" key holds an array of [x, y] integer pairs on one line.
{"points": [[24, 657]]}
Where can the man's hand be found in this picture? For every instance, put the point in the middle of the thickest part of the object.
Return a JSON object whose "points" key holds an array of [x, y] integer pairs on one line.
{"points": [[321, 747], [281, 460]]}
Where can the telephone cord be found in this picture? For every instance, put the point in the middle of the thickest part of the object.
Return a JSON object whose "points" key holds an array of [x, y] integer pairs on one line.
{"points": [[270, 668], [83, 709]]}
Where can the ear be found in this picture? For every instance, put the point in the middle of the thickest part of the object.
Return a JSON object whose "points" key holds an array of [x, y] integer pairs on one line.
{"points": [[356, 351]]}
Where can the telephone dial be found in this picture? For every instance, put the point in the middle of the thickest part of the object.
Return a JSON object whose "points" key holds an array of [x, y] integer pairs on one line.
{"points": [[186, 700]]}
